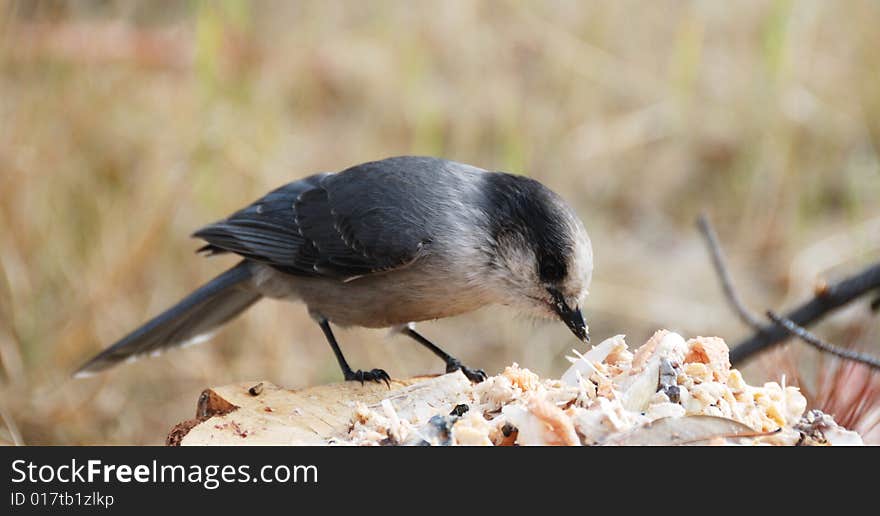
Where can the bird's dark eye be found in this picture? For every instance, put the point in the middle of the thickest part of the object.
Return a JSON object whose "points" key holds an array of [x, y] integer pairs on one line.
{"points": [[551, 271]]}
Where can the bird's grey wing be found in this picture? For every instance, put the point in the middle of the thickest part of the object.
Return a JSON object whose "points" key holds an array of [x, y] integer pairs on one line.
{"points": [[369, 218], [266, 231], [311, 228]]}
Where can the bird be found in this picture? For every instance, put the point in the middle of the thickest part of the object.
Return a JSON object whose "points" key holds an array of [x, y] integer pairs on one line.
{"points": [[386, 244]]}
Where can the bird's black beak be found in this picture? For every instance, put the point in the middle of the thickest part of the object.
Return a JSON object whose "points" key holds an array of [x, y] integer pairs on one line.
{"points": [[572, 317]]}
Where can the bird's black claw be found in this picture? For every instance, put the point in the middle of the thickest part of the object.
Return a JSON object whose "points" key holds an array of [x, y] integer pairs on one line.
{"points": [[474, 375], [373, 375]]}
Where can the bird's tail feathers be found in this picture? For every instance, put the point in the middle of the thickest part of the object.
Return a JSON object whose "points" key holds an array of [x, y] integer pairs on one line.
{"points": [[190, 321]]}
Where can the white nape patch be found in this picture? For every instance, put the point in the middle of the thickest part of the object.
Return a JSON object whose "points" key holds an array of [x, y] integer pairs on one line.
{"points": [[582, 263]]}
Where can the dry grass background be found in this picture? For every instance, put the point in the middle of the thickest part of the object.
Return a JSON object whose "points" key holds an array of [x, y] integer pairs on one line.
{"points": [[125, 126]]}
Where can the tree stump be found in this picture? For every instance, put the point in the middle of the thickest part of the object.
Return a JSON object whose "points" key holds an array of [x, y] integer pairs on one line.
{"points": [[261, 413], [670, 391]]}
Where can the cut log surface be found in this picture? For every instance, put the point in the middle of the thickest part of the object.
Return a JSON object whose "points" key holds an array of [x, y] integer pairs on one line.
{"points": [[261, 413], [670, 391]]}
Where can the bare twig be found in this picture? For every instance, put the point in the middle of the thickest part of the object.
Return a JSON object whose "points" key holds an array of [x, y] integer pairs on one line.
{"points": [[766, 335], [810, 312], [813, 340], [720, 264]]}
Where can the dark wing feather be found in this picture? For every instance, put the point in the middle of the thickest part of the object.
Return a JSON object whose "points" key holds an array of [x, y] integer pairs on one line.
{"points": [[321, 226], [386, 209], [266, 231]]}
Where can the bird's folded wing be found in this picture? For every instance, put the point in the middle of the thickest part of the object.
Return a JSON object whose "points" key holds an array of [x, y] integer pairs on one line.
{"points": [[312, 227]]}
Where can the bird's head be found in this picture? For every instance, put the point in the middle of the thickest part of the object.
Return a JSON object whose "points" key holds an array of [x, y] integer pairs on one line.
{"points": [[541, 256]]}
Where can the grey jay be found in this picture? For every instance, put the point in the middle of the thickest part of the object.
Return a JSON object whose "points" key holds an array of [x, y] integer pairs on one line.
{"points": [[386, 244]]}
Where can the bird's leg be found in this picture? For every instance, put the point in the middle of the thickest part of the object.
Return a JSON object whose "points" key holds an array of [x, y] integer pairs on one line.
{"points": [[375, 375], [452, 363]]}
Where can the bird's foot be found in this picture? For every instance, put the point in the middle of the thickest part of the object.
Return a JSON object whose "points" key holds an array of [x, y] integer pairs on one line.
{"points": [[474, 375], [374, 375]]}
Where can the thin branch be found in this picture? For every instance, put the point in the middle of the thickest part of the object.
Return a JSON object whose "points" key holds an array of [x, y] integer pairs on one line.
{"points": [[745, 315], [810, 312], [821, 345], [767, 335]]}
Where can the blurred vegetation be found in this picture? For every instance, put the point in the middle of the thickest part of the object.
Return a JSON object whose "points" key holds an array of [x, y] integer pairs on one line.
{"points": [[126, 125]]}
